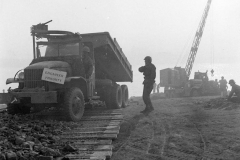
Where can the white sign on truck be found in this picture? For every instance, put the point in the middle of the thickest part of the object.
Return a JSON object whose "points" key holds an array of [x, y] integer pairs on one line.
{"points": [[54, 76]]}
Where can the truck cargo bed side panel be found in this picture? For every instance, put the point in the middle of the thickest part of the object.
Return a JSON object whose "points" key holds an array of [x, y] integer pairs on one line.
{"points": [[110, 61]]}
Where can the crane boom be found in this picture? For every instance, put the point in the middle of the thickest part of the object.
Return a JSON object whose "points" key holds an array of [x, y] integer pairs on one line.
{"points": [[197, 40]]}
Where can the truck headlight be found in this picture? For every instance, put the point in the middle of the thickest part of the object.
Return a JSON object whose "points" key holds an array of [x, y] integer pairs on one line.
{"points": [[21, 75]]}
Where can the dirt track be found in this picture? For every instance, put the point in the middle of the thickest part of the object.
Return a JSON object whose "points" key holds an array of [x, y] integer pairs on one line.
{"points": [[187, 128]]}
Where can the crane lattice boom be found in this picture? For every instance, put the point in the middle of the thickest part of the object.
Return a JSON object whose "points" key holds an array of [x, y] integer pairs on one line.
{"points": [[197, 40]]}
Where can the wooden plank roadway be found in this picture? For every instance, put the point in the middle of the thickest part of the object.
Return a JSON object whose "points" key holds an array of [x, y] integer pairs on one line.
{"points": [[93, 135]]}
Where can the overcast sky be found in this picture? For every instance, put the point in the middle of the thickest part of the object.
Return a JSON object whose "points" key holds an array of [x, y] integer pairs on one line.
{"points": [[162, 29]]}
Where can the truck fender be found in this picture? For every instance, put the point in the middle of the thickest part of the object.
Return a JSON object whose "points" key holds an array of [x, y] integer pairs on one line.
{"points": [[79, 82], [14, 80]]}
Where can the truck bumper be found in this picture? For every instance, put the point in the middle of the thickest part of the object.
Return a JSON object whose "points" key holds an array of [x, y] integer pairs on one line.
{"points": [[36, 97]]}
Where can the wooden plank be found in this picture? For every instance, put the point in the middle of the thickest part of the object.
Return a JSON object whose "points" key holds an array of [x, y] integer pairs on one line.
{"points": [[90, 142], [86, 136], [94, 147], [114, 123], [103, 110], [76, 133], [96, 113], [93, 142], [87, 154], [103, 125], [88, 158], [105, 116], [92, 121], [98, 123], [89, 118], [97, 128]]}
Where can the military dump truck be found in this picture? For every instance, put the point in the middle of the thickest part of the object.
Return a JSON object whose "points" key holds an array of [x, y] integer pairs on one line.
{"points": [[56, 77]]}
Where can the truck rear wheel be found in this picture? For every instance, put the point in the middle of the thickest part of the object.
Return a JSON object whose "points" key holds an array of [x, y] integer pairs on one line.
{"points": [[74, 104], [115, 97], [124, 95]]}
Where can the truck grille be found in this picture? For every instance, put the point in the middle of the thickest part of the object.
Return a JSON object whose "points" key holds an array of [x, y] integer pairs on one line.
{"points": [[32, 79]]}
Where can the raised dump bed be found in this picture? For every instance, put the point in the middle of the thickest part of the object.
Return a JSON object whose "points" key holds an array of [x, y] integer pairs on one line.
{"points": [[111, 63]]}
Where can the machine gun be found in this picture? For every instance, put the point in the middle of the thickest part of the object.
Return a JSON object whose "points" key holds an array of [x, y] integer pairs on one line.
{"points": [[41, 27], [35, 30]]}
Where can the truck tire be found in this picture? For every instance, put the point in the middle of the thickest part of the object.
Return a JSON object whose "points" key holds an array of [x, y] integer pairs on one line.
{"points": [[74, 104], [18, 109], [116, 97], [124, 95]]}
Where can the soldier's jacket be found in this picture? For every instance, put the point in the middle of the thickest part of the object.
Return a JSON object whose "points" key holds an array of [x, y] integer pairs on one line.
{"points": [[223, 83], [88, 66], [149, 72], [236, 90]]}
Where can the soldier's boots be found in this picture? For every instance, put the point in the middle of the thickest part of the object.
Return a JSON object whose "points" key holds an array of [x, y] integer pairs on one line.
{"points": [[150, 109], [147, 109]]}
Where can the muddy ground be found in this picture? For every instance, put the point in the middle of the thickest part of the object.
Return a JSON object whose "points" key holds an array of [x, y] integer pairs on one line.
{"points": [[180, 128]]}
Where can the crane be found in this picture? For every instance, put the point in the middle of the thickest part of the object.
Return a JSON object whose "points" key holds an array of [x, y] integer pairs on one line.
{"points": [[196, 41], [176, 81]]}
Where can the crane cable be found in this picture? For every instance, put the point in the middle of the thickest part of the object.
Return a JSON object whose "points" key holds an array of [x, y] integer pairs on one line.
{"points": [[184, 53], [212, 44]]}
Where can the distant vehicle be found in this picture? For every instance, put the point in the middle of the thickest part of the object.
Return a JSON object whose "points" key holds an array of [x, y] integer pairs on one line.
{"points": [[176, 81], [56, 77]]}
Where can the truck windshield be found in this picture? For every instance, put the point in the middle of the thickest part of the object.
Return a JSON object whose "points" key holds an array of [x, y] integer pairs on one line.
{"points": [[55, 50]]}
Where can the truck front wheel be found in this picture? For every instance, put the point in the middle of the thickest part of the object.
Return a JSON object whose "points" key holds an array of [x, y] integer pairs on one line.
{"points": [[124, 95], [74, 104]]}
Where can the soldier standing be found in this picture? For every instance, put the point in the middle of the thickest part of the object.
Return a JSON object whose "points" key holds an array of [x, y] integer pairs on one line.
{"points": [[149, 72], [158, 87], [87, 61], [223, 86]]}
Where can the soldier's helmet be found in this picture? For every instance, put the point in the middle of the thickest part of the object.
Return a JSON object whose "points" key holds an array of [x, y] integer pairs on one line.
{"points": [[231, 81], [148, 59], [86, 49]]}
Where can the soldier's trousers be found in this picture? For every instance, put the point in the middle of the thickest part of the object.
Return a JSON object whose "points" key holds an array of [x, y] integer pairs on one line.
{"points": [[147, 89]]}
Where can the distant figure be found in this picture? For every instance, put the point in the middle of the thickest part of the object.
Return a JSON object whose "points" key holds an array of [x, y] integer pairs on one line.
{"points": [[223, 87], [216, 86], [87, 62], [158, 87], [154, 87], [149, 72], [216, 82], [236, 90]]}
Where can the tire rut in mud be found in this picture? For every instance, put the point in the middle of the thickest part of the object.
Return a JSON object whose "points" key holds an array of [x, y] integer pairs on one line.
{"points": [[137, 141]]}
